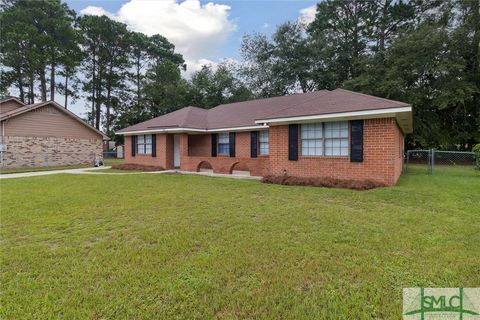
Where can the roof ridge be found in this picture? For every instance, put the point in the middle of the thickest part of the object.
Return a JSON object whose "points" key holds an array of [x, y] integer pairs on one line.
{"points": [[324, 92], [260, 99], [368, 95]]}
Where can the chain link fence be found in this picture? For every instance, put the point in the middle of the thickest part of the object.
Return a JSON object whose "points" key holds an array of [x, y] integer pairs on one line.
{"points": [[434, 161]]}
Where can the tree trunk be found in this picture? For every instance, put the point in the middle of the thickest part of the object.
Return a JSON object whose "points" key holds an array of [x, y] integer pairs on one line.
{"points": [[93, 88], [31, 95], [107, 125], [20, 85], [98, 103], [138, 80], [43, 85], [52, 82], [66, 90]]}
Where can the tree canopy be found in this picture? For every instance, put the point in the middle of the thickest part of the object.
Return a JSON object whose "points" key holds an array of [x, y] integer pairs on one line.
{"points": [[426, 53]]}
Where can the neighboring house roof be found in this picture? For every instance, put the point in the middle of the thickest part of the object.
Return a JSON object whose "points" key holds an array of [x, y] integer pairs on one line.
{"points": [[6, 99], [27, 108], [311, 106]]}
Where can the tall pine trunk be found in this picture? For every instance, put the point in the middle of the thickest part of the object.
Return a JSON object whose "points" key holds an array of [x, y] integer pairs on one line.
{"points": [[31, 95], [43, 85], [20, 85], [66, 90], [138, 80], [98, 102], [93, 87], [52, 82]]}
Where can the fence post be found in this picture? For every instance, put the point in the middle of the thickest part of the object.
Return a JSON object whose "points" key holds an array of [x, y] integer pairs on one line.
{"points": [[429, 161], [408, 160], [433, 161]]}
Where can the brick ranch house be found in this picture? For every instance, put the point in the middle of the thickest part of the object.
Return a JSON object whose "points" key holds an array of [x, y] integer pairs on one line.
{"points": [[339, 134], [45, 134]]}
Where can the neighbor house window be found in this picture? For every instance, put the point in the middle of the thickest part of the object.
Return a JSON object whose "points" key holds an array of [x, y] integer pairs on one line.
{"points": [[325, 139], [263, 142], [144, 144], [223, 143]]}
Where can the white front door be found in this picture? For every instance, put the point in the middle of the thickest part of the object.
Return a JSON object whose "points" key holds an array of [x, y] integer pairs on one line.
{"points": [[176, 151]]}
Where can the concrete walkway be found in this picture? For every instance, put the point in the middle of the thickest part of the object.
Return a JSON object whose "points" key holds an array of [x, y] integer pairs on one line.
{"points": [[92, 171], [45, 173]]}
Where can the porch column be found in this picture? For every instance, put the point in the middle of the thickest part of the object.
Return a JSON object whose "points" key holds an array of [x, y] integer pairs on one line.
{"points": [[184, 151]]}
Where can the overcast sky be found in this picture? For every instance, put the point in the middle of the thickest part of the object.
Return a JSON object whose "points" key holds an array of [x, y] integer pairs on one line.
{"points": [[203, 31]]}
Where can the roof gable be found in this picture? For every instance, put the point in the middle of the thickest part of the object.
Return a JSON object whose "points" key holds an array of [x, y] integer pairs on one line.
{"points": [[27, 108], [9, 104]]}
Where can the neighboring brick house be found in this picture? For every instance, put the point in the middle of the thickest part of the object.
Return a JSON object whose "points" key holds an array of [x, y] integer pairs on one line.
{"points": [[45, 134], [340, 134]]}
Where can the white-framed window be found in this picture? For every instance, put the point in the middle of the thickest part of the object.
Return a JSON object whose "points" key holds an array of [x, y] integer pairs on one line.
{"points": [[223, 143], [325, 139], [263, 142], [144, 144]]}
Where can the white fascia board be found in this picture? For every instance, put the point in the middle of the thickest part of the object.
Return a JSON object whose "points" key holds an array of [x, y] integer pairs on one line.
{"points": [[179, 130], [173, 130], [247, 128], [352, 114]]}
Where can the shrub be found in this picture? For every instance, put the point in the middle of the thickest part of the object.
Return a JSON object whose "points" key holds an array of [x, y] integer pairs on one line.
{"points": [[323, 182], [136, 167], [476, 149]]}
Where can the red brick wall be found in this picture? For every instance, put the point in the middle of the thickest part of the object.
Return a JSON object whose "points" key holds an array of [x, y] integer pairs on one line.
{"points": [[200, 145], [225, 164], [164, 156], [383, 155], [381, 152]]}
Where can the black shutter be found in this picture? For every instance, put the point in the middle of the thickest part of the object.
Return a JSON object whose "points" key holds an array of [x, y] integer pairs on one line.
{"points": [[293, 142], [356, 141], [134, 144], [154, 145], [231, 141], [214, 144], [253, 144]]}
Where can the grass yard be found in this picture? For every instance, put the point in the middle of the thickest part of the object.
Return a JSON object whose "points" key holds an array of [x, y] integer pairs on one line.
{"points": [[167, 246]]}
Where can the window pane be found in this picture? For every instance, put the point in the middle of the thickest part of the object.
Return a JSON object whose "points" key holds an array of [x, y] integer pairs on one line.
{"points": [[223, 137], [336, 147], [311, 131], [312, 147], [148, 149], [344, 129], [140, 139], [223, 148], [263, 142], [336, 129], [263, 136], [148, 138]]}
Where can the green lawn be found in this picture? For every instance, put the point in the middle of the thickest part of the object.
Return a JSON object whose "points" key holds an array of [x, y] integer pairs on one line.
{"points": [[165, 246]]}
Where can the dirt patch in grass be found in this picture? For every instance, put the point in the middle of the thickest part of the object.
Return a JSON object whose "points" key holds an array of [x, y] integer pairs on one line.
{"points": [[137, 167], [323, 182]]}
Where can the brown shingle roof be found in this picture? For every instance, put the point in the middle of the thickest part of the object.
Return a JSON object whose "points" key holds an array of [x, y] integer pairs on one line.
{"points": [[243, 114]]}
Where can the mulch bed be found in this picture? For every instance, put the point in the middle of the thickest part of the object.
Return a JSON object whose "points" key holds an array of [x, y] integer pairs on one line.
{"points": [[323, 182], [137, 167]]}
